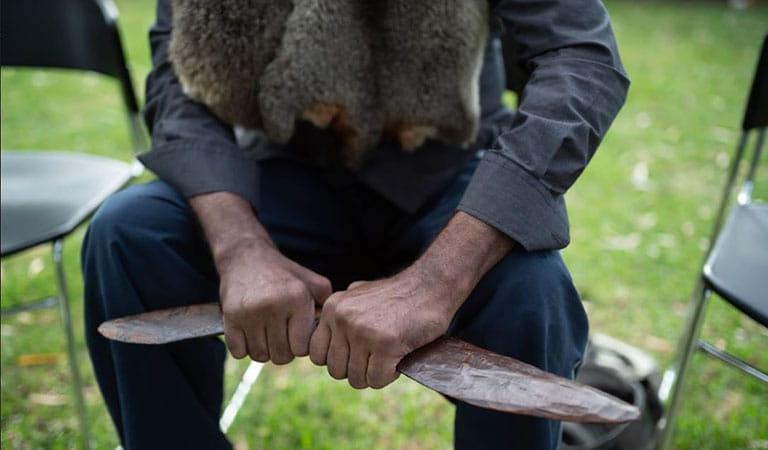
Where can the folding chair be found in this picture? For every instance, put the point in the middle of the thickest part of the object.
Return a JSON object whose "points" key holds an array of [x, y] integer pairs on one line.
{"points": [[48, 194], [736, 266]]}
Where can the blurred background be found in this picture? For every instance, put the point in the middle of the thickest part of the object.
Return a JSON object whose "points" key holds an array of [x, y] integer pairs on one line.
{"points": [[640, 217]]}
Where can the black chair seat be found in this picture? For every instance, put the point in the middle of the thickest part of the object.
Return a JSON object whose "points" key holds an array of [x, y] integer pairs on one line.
{"points": [[737, 267], [47, 194]]}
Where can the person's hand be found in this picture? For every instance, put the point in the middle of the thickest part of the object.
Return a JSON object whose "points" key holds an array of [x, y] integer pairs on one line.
{"points": [[366, 330], [268, 302]]}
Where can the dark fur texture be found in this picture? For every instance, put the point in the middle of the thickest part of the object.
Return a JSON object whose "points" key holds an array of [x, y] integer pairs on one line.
{"points": [[407, 68], [429, 60], [325, 73], [220, 48]]}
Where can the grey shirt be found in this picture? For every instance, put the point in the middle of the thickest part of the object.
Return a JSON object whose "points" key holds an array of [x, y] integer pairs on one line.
{"points": [[562, 52]]}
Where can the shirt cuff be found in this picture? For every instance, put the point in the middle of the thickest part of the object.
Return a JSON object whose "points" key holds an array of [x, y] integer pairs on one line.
{"points": [[505, 196], [203, 167]]}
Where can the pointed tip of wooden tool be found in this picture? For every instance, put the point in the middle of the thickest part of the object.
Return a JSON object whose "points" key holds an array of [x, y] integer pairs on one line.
{"points": [[118, 331], [629, 413], [106, 330], [166, 326]]}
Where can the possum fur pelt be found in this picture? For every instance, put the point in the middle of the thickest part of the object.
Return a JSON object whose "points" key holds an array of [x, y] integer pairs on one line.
{"points": [[363, 68]]}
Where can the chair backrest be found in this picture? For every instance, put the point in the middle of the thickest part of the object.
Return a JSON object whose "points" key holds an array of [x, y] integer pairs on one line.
{"points": [[756, 115], [71, 34], [755, 120]]}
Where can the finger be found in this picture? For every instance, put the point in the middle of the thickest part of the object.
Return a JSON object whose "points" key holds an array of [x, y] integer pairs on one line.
{"points": [[319, 343], [320, 288], [300, 328], [235, 339], [357, 371], [277, 337], [382, 370], [338, 356], [258, 347]]}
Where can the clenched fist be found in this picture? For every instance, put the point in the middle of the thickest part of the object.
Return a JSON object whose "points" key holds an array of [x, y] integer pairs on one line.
{"points": [[268, 302], [366, 330]]}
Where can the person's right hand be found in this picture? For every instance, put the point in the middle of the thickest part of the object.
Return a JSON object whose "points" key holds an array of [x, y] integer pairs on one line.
{"points": [[268, 302]]}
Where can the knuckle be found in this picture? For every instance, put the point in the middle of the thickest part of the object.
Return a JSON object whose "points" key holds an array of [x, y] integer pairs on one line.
{"points": [[268, 300], [346, 314], [355, 284], [330, 305], [295, 289], [230, 310], [384, 339], [340, 318], [323, 283]]}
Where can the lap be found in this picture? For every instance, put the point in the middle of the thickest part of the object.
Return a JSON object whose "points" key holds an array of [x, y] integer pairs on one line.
{"points": [[527, 307], [524, 307], [320, 220], [315, 221]]}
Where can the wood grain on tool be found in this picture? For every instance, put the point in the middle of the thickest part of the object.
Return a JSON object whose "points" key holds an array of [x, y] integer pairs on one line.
{"points": [[482, 378], [448, 365]]}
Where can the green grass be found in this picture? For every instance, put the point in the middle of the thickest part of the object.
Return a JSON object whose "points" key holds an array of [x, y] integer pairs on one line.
{"points": [[640, 217]]}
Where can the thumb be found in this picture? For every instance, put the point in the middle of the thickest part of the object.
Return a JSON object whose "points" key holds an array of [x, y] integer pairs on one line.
{"points": [[355, 284], [320, 288]]}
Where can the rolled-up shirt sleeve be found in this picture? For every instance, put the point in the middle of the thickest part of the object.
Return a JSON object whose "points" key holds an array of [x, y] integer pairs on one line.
{"points": [[191, 149], [576, 87]]}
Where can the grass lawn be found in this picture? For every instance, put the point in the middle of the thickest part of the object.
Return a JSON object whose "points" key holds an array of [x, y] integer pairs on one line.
{"points": [[640, 216]]}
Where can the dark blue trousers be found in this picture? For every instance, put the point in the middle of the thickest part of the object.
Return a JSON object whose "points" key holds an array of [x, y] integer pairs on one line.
{"points": [[144, 251]]}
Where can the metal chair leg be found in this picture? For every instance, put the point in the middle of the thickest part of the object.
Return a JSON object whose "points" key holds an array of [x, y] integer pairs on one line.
{"points": [[674, 378], [66, 317], [727, 358], [234, 405]]}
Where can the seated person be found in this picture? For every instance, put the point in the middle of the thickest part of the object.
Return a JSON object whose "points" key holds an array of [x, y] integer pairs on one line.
{"points": [[398, 251]]}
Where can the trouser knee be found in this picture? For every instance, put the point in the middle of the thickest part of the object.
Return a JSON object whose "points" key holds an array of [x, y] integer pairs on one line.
{"points": [[140, 215], [527, 307], [145, 239]]}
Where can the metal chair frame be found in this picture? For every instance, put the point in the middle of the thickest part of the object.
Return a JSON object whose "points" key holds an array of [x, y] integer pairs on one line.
{"points": [[69, 52], [755, 121]]}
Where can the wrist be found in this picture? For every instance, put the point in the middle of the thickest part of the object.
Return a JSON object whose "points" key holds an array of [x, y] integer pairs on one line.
{"points": [[449, 280], [225, 252], [461, 255], [230, 225], [444, 293]]}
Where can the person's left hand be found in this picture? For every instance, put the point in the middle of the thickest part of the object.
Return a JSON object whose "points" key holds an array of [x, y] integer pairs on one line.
{"points": [[366, 330]]}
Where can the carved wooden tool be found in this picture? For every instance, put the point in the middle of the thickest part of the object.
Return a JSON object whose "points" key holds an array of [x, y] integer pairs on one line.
{"points": [[448, 365]]}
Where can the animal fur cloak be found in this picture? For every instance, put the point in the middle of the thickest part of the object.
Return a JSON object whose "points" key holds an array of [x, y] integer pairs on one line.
{"points": [[363, 68]]}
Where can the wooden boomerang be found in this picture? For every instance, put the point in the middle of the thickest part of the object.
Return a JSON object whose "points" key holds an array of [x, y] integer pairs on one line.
{"points": [[448, 365]]}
